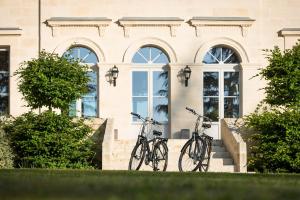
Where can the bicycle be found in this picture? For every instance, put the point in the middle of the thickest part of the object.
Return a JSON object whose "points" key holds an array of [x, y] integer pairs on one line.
{"points": [[195, 154], [153, 151]]}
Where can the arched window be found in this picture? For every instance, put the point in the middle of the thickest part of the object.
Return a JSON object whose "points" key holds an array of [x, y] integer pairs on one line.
{"points": [[150, 83], [221, 80], [221, 55], [86, 106]]}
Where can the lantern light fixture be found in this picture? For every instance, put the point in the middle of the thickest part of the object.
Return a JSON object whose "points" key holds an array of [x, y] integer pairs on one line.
{"points": [[114, 74], [187, 74]]}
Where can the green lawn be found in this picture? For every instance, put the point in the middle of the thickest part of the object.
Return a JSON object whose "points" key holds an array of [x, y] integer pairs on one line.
{"points": [[96, 184]]}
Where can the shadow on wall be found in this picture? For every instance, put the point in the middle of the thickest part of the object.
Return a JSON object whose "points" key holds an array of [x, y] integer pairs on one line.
{"points": [[98, 137], [183, 134]]}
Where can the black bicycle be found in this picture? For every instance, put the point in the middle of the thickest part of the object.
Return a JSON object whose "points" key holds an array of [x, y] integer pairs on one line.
{"points": [[195, 154], [153, 151]]}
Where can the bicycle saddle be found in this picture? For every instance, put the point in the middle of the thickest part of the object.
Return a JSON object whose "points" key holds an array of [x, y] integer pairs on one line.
{"points": [[206, 125], [158, 133]]}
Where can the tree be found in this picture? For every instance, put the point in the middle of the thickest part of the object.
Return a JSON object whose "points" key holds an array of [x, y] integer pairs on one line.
{"points": [[275, 144], [283, 76], [52, 81]]}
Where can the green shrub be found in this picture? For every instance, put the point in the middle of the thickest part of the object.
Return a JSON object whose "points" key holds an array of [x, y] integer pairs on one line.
{"points": [[275, 144], [6, 154], [50, 140]]}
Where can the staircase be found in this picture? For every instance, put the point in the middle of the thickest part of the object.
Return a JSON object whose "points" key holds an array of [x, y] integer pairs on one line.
{"points": [[220, 161]]}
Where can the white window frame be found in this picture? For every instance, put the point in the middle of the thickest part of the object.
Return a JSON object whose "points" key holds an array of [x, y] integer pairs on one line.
{"points": [[149, 68], [220, 68]]}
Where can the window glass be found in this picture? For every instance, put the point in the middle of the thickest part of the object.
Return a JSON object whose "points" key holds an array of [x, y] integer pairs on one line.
{"points": [[140, 93], [4, 81], [231, 107], [88, 102], [160, 96], [211, 107], [160, 83], [140, 83], [140, 106], [221, 55], [84, 55], [231, 94], [150, 55], [211, 84], [231, 83]]}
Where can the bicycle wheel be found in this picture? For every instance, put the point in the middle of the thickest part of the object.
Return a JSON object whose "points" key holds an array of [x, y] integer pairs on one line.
{"points": [[191, 155], [160, 157], [204, 165], [137, 157]]}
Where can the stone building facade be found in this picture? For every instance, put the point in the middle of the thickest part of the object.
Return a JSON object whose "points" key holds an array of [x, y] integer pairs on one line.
{"points": [[151, 42]]}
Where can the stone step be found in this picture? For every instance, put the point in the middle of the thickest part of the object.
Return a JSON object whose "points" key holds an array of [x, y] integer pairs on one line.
{"points": [[220, 159]]}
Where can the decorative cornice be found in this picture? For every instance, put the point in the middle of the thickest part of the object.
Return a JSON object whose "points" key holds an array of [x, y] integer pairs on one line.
{"points": [[286, 32], [11, 31], [242, 22], [171, 22], [99, 22]]}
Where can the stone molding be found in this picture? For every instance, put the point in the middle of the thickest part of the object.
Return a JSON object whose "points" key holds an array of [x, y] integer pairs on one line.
{"points": [[237, 46], [129, 22], [63, 46], [134, 47], [98, 22], [287, 32], [11, 31], [243, 22]]}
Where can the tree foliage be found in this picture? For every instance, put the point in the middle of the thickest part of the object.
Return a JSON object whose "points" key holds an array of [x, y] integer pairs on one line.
{"points": [[6, 154], [52, 81], [275, 146], [283, 76], [276, 141]]}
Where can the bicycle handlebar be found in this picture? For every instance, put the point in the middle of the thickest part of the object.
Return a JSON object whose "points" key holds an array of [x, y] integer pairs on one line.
{"points": [[145, 119], [194, 112]]}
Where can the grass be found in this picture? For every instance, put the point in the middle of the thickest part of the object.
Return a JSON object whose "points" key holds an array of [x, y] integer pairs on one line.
{"points": [[94, 184]]}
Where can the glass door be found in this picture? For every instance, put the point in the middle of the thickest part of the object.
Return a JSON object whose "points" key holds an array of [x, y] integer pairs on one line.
{"points": [[220, 98]]}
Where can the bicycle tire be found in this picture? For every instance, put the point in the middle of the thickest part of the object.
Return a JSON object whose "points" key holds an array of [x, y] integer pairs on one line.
{"points": [[137, 153], [194, 157], [160, 153], [204, 165]]}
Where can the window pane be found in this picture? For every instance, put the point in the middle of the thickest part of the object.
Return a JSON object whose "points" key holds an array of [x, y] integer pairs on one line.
{"points": [[160, 109], [211, 107], [231, 107], [89, 106], [231, 83], [4, 60], [4, 82], [158, 56], [3, 104], [87, 55], [92, 84], [150, 55], [221, 55], [160, 83], [140, 106], [72, 109], [211, 84], [83, 54], [140, 83]]}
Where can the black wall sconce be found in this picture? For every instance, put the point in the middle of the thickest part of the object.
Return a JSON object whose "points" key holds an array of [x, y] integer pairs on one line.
{"points": [[114, 74], [187, 74]]}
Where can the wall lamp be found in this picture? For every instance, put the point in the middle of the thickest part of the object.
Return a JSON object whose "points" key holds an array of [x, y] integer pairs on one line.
{"points": [[114, 74], [187, 74]]}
